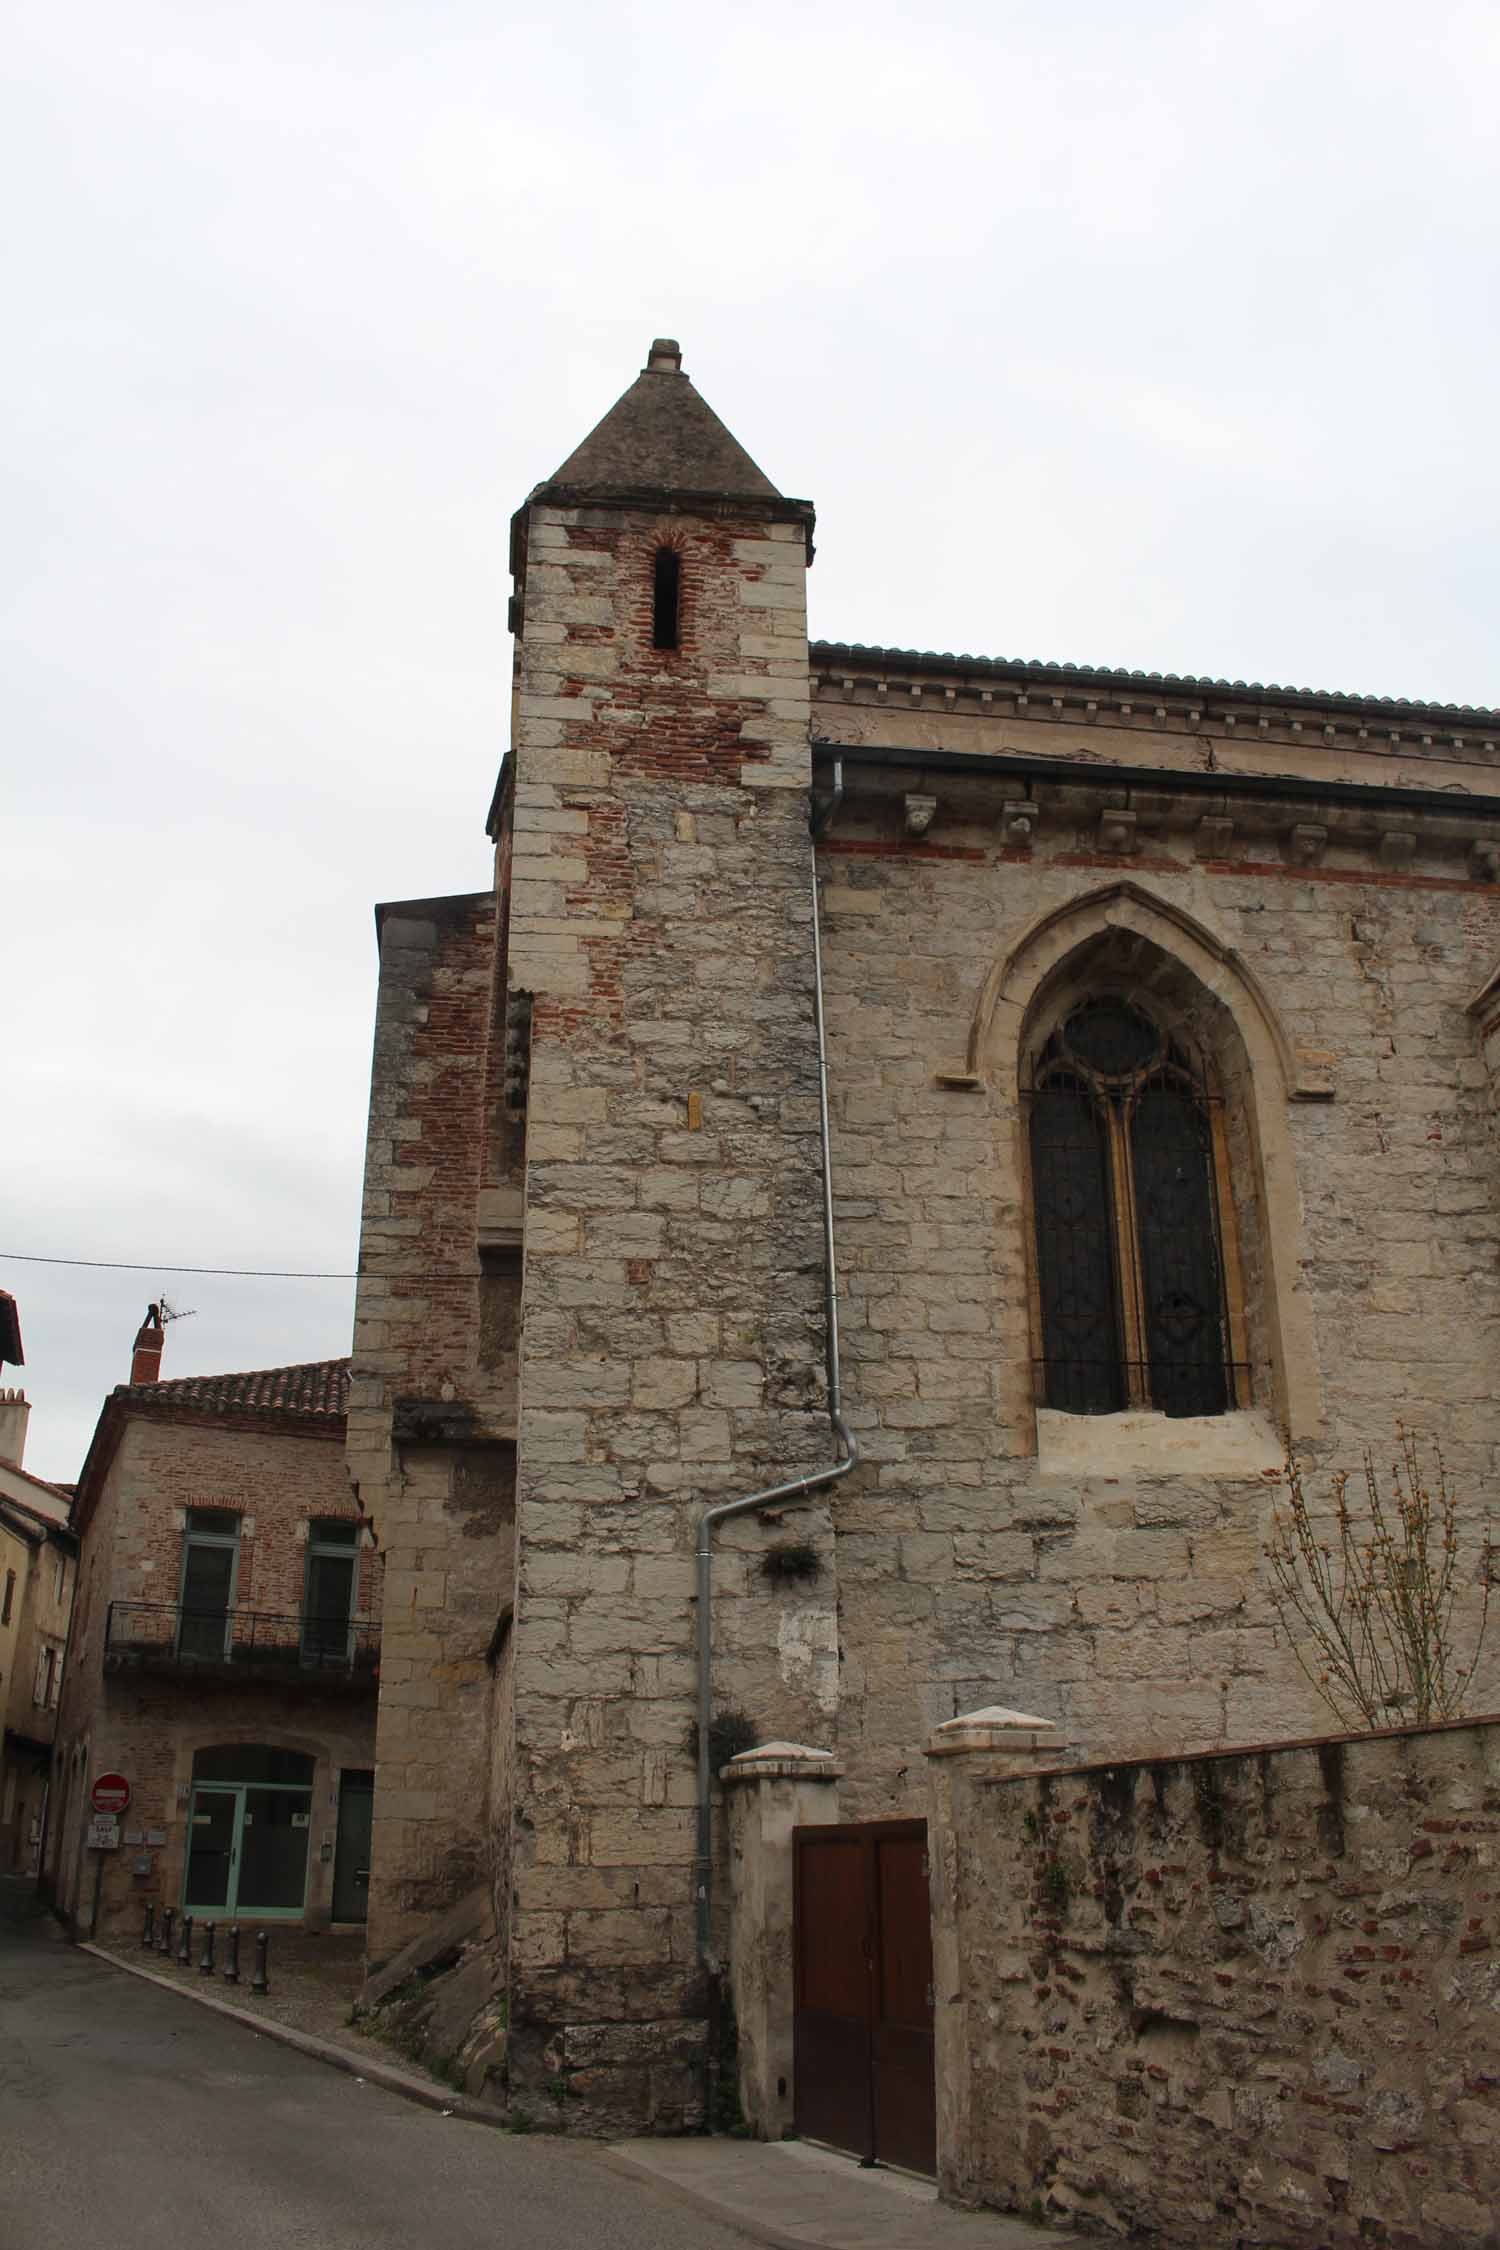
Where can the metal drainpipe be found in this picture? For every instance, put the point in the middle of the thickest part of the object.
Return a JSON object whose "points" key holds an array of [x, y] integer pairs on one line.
{"points": [[776, 1495]]}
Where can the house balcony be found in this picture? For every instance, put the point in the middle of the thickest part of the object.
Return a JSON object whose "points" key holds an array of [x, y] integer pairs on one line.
{"points": [[242, 1648]]}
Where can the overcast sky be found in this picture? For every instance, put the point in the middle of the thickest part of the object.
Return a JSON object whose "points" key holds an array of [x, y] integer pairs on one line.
{"points": [[1157, 335]]}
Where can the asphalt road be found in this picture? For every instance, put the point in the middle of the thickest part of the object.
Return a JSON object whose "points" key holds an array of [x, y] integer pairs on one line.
{"points": [[131, 2119]]}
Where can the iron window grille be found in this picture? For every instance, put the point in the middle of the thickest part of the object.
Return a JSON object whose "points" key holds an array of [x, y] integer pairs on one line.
{"points": [[1129, 1177]]}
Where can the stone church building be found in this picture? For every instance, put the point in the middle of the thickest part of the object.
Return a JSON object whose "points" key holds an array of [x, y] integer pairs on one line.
{"points": [[1159, 1016]]}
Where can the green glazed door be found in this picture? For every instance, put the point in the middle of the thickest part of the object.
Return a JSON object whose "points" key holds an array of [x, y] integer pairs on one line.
{"points": [[247, 1852], [211, 1850]]}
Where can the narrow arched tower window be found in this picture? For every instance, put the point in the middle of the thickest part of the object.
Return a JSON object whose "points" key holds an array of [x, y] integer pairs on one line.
{"points": [[666, 605], [1130, 1266]]}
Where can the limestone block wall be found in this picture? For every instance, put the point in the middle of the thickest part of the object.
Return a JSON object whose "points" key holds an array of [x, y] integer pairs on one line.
{"points": [[432, 1410], [1112, 1580], [672, 1344], [1252, 1997]]}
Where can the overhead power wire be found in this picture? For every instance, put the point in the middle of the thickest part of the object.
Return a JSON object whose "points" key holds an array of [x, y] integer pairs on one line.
{"points": [[238, 1273], [243, 1273]]}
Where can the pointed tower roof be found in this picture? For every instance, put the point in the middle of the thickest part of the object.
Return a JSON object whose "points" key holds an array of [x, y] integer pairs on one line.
{"points": [[663, 449], [662, 437]]}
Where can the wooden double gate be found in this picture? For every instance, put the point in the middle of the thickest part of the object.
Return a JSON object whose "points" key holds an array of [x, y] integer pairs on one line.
{"points": [[862, 2033]]}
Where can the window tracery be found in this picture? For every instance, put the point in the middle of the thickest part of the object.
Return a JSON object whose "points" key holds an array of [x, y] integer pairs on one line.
{"points": [[1131, 1214]]}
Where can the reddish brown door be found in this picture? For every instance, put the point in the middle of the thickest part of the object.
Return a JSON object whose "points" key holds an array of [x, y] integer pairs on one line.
{"points": [[862, 2035]]}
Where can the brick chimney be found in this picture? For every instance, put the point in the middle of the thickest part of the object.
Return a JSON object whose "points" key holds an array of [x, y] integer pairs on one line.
{"points": [[15, 1413], [145, 1364]]}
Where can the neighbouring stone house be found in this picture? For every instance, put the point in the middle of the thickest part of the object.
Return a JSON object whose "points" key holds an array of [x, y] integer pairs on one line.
{"points": [[37, 1551], [224, 1656], [1161, 1015]]}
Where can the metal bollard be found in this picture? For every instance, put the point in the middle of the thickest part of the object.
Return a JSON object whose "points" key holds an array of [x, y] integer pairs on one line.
{"points": [[148, 1934], [206, 1957], [232, 1955], [185, 1943], [260, 1982], [164, 1941]]}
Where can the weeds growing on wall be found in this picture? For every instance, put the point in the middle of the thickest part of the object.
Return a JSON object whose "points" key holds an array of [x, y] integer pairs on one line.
{"points": [[1368, 1598]]}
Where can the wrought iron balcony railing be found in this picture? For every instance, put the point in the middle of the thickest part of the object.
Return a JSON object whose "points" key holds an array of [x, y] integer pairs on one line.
{"points": [[242, 1644]]}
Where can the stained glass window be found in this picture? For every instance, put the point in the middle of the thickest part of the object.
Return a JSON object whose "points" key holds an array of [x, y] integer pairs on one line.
{"points": [[1130, 1275]]}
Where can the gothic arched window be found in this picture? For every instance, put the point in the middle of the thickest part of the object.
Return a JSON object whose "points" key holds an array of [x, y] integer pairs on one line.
{"points": [[1125, 1166]]}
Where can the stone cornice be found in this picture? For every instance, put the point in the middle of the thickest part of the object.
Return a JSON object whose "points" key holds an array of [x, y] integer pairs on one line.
{"points": [[846, 670], [1127, 813]]}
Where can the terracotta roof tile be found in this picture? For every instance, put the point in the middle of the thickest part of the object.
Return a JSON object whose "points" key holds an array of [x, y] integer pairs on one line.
{"points": [[315, 1391]]}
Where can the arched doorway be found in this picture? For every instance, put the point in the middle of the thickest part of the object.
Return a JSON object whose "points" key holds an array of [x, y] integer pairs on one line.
{"points": [[248, 1832]]}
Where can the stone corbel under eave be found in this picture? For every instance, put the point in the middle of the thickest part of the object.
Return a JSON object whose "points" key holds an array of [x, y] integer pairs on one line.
{"points": [[1018, 822]]}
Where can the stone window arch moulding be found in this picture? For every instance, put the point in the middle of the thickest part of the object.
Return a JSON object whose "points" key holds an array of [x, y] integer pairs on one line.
{"points": [[1212, 1012]]}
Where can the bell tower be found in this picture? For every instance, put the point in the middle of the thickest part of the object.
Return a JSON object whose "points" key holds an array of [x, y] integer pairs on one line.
{"points": [[658, 947]]}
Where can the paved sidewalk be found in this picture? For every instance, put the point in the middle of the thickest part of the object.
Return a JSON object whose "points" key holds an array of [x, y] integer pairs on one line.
{"points": [[366, 2061], [800, 2197], [315, 1980]]}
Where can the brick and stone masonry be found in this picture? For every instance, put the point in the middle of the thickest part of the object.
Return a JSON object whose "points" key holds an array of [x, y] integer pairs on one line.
{"points": [[432, 1409], [670, 1346], [591, 1270], [654, 928]]}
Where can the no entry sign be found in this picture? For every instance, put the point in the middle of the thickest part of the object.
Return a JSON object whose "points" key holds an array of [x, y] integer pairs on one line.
{"points": [[110, 1793]]}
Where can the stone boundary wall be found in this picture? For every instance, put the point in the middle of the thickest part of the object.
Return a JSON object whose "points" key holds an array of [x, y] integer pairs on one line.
{"points": [[1245, 1998]]}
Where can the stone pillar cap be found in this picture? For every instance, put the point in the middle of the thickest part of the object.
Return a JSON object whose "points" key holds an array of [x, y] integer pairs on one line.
{"points": [[772, 1761], [995, 1728], [996, 1715]]}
